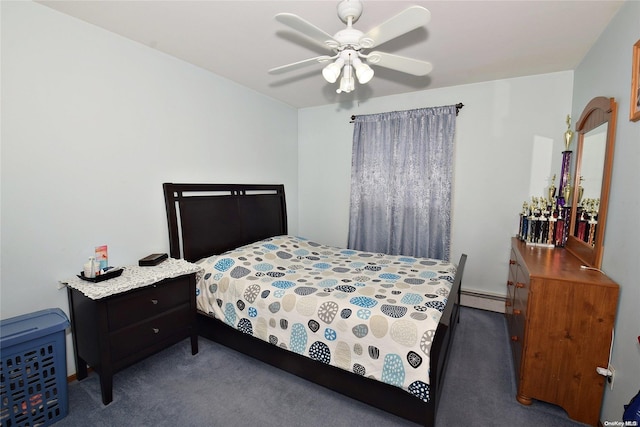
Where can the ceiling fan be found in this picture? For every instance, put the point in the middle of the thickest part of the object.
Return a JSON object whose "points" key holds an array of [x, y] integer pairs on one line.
{"points": [[348, 45]]}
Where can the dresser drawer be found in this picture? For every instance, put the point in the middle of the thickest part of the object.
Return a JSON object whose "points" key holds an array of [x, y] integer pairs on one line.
{"points": [[517, 331], [147, 302], [521, 286], [128, 341], [513, 264]]}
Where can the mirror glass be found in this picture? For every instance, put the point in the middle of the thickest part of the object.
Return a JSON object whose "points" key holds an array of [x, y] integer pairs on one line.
{"points": [[593, 151], [592, 180]]}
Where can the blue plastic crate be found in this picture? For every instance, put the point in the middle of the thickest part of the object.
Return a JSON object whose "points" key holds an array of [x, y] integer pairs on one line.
{"points": [[33, 369]]}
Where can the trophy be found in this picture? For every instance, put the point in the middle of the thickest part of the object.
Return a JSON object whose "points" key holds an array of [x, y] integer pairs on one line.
{"points": [[566, 164], [567, 190], [568, 134], [580, 189], [552, 188]]}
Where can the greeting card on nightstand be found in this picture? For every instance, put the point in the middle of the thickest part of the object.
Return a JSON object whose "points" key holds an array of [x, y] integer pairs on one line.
{"points": [[102, 256]]}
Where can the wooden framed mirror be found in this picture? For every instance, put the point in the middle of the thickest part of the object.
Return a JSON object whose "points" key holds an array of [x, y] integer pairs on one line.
{"points": [[596, 131]]}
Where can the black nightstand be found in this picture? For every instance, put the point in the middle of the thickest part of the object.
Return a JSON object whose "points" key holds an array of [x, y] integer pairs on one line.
{"points": [[116, 330]]}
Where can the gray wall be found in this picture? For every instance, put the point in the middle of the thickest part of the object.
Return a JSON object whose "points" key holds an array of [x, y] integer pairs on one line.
{"points": [[496, 131], [606, 71], [92, 125]]}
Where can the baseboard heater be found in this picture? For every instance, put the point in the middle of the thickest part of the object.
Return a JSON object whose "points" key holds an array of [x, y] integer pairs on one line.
{"points": [[482, 300]]}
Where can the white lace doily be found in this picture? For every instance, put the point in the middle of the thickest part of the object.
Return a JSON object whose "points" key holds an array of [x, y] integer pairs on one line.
{"points": [[134, 277]]}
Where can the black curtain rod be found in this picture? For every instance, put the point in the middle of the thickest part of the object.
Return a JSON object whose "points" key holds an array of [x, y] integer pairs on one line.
{"points": [[459, 106]]}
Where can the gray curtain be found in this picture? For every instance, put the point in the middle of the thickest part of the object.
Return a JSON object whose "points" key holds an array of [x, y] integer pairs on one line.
{"points": [[401, 180]]}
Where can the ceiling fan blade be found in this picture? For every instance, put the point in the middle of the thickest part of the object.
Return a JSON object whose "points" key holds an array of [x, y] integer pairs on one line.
{"points": [[400, 63], [308, 29], [407, 20], [300, 64]]}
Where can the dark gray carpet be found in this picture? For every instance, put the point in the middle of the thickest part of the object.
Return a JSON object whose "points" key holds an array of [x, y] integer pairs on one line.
{"points": [[220, 387]]}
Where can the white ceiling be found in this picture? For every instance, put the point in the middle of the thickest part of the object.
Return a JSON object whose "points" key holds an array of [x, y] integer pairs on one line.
{"points": [[466, 41]]}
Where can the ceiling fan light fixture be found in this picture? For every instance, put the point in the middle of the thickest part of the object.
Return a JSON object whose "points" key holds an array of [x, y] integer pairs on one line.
{"points": [[332, 71], [363, 71], [364, 74], [346, 82]]}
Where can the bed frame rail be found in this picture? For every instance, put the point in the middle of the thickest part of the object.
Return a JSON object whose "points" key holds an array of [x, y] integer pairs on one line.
{"points": [[442, 342]]}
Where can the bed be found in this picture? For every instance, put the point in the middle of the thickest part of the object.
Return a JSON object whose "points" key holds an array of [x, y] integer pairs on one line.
{"points": [[253, 268]]}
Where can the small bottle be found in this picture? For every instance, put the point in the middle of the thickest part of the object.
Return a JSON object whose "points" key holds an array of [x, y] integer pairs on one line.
{"points": [[91, 267]]}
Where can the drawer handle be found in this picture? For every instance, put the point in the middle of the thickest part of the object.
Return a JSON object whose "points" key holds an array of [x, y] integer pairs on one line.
{"points": [[512, 261], [155, 330], [520, 285], [154, 301], [509, 283], [516, 311], [514, 338]]}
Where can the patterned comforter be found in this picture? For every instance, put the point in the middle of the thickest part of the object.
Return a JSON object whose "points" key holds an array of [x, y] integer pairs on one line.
{"points": [[371, 314]]}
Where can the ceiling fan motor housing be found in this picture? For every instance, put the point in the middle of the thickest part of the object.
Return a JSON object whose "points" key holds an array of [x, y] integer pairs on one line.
{"points": [[349, 37], [349, 8]]}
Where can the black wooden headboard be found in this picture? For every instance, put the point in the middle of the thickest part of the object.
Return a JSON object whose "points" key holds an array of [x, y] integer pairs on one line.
{"points": [[208, 219]]}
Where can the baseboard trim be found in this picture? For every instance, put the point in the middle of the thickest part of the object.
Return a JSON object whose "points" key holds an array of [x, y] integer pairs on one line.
{"points": [[483, 301], [74, 377]]}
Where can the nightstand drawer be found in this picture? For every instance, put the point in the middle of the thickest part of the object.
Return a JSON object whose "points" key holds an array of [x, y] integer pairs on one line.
{"points": [[128, 341], [149, 302]]}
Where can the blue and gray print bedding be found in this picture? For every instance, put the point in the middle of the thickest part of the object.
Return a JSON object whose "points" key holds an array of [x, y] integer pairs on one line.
{"points": [[371, 314]]}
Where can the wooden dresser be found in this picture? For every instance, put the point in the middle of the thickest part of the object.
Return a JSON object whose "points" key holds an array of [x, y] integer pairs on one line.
{"points": [[560, 319]]}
